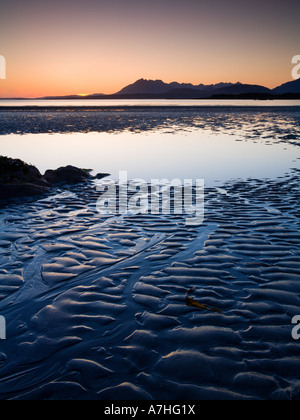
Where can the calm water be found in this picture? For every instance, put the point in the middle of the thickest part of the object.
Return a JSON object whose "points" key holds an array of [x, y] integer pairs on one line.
{"points": [[145, 102], [256, 140], [191, 155]]}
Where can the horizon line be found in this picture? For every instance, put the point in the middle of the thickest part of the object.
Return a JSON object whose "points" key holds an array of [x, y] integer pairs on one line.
{"points": [[85, 95]]}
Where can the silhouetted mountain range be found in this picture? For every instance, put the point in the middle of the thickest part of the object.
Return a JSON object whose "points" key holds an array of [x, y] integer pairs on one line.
{"points": [[289, 87], [157, 89], [176, 90]]}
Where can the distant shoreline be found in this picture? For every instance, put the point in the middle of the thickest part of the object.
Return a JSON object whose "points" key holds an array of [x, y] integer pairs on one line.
{"points": [[44, 105], [244, 96]]}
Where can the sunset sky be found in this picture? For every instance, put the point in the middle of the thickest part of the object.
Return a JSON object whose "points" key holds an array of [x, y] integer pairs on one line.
{"points": [[62, 47]]}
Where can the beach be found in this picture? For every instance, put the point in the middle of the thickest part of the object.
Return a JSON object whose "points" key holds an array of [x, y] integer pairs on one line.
{"points": [[96, 305]]}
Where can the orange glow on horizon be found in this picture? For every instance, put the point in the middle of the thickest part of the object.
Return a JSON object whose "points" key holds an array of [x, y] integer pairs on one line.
{"points": [[102, 46]]}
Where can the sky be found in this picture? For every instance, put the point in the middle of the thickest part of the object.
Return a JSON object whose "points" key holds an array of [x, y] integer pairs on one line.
{"points": [[63, 47]]}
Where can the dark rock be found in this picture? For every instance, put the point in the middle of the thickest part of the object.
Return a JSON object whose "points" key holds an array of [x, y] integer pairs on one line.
{"points": [[18, 179], [67, 175], [100, 176], [15, 171], [8, 191]]}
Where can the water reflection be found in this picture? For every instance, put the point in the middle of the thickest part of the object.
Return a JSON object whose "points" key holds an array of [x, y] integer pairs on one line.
{"points": [[145, 102], [193, 154]]}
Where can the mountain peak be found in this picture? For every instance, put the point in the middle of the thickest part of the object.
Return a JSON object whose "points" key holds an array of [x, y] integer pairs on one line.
{"points": [[145, 86], [289, 87], [158, 87]]}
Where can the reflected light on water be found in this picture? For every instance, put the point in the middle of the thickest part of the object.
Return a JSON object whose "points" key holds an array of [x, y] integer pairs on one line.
{"points": [[155, 155]]}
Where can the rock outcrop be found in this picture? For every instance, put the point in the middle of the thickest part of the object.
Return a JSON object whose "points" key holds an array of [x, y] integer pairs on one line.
{"points": [[67, 175], [18, 179]]}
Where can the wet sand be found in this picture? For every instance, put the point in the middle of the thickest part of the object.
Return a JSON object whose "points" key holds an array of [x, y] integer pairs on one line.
{"points": [[269, 123], [96, 308]]}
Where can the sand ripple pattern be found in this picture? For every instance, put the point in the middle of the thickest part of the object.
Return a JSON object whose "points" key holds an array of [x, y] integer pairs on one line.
{"points": [[95, 306]]}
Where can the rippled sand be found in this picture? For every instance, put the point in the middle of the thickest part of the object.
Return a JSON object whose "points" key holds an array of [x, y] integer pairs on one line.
{"points": [[96, 309]]}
